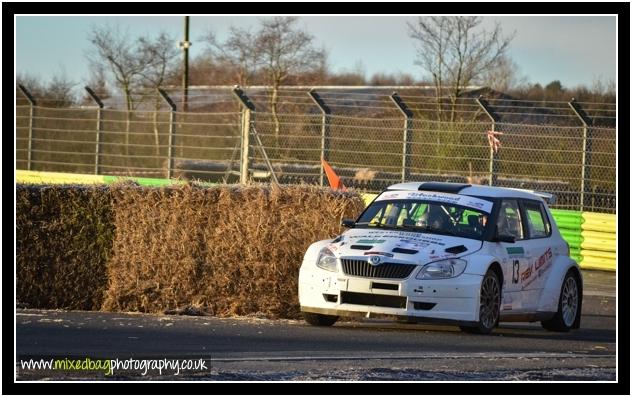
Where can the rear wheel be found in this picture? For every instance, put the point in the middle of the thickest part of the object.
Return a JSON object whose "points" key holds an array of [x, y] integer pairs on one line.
{"points": [[321, 320], [568, 307], [489, 312]]}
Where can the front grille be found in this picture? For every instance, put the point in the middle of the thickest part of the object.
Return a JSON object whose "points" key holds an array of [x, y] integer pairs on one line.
{"points": [[354, 267], [357, 298]]}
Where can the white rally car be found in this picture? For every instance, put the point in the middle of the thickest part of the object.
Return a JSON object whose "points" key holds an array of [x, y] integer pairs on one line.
{"points": [[452, 253]]}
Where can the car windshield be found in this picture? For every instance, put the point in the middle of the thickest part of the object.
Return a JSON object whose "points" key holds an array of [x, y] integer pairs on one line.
{"points": [[425, 216]]}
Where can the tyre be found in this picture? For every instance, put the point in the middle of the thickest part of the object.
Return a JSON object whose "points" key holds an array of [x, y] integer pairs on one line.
{"points": [[569, 306], [489, 312], [321, 320]]}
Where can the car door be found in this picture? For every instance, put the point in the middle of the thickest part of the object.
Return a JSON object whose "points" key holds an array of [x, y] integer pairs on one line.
{"points": [[513, 256], [538, 252]]}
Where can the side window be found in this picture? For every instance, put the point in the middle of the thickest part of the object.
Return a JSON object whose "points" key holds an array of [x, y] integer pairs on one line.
{"points": [[509, 220], [536, 220]]}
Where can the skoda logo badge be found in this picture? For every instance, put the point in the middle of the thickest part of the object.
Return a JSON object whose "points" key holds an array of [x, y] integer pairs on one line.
{"points": [[374, 260]]}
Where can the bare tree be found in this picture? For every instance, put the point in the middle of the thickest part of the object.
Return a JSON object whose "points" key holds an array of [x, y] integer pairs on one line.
{"points": [[32, 84], [503, 75], [605, 89], [134, 64], [355, 76], [238, 52], [98, 83], [346, 78], [278, 51], [116, 50], [455, 53], [59, 92], [284, 50], [382, 78], [159, 54]]}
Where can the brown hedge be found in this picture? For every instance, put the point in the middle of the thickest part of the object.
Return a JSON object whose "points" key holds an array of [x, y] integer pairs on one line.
{"points": [[227, 250], [63, 240], [230, 250]]}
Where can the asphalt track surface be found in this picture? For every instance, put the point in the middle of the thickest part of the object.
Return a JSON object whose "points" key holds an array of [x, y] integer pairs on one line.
{"points": [[257, 349]]}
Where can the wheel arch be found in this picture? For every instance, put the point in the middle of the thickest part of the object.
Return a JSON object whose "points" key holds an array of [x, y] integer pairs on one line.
{"points": [[483, 264], [550, 296], [496, 268]]}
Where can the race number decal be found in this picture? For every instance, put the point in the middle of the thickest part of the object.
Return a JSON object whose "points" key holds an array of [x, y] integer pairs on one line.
{"points": [[516, 272]]}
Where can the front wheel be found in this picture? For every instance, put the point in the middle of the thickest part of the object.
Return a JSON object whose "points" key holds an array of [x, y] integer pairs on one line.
{"points": [[489, 312], [568, 308], [321, 320]]}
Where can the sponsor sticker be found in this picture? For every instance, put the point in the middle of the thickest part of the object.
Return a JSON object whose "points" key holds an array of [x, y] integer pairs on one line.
{"points": [[410, 244], [515, 251], [466, 201], [379, 237], [366, 241], [537, 268], [389, 196]]}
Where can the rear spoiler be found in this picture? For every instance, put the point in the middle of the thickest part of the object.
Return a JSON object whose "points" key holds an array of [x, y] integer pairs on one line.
{"points": [[548, 197]]}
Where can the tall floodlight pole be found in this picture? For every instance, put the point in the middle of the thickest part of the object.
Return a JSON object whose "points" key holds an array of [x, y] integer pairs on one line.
{"points": [[185, 75]]}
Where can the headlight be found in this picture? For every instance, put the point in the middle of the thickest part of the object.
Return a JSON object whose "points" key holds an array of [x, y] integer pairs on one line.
{"points": [[447, 268], [327, 260]]}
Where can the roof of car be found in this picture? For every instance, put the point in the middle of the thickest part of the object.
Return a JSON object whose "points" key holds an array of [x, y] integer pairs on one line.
{"points": [[470, 190]]}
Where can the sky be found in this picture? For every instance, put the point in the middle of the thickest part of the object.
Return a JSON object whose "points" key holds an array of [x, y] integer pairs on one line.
{"points": [[576, 50]]}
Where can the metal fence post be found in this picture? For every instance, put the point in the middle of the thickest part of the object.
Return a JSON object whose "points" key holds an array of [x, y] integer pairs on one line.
{"points": [[493, 156], [408, 126], [172, 130], [32, 105], [586, 149], [97, 150], [248, 107], [324, 131]]}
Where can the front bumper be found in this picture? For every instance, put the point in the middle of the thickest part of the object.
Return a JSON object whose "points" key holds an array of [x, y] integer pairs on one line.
{"points": [[454, 300]]}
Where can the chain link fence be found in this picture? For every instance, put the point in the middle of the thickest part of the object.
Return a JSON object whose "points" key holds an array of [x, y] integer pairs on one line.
{"points": [[369, 142], [136, 143]]}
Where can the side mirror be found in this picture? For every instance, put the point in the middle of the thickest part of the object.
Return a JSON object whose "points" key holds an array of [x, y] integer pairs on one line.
{"points": [[348, 223], [504, 238]]}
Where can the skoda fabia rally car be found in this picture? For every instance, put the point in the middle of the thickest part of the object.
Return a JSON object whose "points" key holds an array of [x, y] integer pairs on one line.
{"points": [[452, 253]]}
